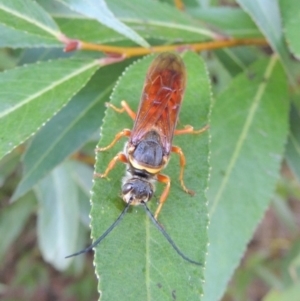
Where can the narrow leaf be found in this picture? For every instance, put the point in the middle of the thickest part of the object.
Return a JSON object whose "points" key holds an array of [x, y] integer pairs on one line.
{"points": [[58, 216], [54, 8], [92, 31], [150, 20], [266, 15], [97, 9], [293, 145], [136, 247], [202, 3], [8, 166], [13, 38], [28, 17], [67, 131], [12, 221], [30, 95], [249, 126], [226, 20], [42, 54], [82, 174], [88, 30], [151, 14], [291, 293], [291, 23], [237, 59]]}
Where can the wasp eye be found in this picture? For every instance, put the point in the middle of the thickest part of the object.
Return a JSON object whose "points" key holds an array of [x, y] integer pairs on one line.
{"points": [[126, 188], [150, 194]]}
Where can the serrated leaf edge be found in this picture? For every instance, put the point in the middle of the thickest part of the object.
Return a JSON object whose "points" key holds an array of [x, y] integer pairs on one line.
{"points": [[95, 63], [256, 101], [31, 21]]}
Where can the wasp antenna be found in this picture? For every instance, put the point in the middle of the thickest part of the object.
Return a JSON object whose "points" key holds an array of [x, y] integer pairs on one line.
{"points": [[166, 235], [95, 243]]}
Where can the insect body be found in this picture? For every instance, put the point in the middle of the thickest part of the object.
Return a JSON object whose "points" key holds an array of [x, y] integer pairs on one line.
{"points": [[150, 141], [148, 149]]}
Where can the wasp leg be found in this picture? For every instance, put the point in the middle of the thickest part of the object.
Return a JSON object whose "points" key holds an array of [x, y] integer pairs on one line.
{"points": [[179, 4], [166, 180], [125, 108], [119, 157], [178, 151], [188, 129], [124, 133]]}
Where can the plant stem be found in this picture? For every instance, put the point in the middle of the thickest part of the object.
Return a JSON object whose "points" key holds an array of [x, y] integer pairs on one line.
{"points": [[127, 52]]}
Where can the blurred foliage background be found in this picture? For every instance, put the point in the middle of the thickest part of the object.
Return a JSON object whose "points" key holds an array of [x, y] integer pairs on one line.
{"points": [[46, 172]]}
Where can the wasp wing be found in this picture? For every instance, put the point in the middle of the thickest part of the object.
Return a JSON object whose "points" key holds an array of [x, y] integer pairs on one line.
{"points": [[161, 100]]}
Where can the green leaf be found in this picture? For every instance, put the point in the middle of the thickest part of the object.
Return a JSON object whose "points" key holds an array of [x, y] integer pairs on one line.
{"points": [[266, 15], [194, 3], [88, 30], [157, 21], [33, 55], [8, 165], [83, 176], [291, 293], [136, 262], [157, 17], [25, 23], [10, 37], [97, 9], [92, 31], [12, 221], [284, 213], [293, 146], [67, 131], [30, 95], [249, 126], [58, 216], [218, 73], [54, 7], [291, 23], [225, 19], [237, 59], [79, 262]]}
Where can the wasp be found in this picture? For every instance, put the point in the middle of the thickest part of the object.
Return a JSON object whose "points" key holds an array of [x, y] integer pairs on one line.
{"points": [[149, 147]]}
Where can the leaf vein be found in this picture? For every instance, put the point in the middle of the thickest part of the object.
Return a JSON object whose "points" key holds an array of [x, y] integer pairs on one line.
{"points": [[48, 88], [244, 133], [30, 20]]}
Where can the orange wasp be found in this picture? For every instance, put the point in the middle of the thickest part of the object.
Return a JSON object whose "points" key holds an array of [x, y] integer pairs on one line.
{"points": [[148, 149]]}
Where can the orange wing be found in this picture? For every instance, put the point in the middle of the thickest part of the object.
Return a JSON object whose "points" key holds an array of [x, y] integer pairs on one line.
{"points": [[161, 99]]}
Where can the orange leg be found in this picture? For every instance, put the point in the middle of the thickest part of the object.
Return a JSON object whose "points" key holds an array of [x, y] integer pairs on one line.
{"points": [[124, 133], [178, 150], [125, 108], [188, 129], [119, 157], [166, 180], [179, 4]]}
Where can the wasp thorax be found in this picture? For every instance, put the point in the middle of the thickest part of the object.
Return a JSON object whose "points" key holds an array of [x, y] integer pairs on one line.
{"points": [[149, 151], [137, 191]]}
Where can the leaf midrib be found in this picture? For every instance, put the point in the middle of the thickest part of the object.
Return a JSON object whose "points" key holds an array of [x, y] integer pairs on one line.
{"points": [[48, 88], [59, 138], [29, 20], [188, 28], [244, 133]]}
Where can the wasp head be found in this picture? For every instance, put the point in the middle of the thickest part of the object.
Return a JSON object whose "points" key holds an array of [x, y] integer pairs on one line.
{"points": [[136, 191]]}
